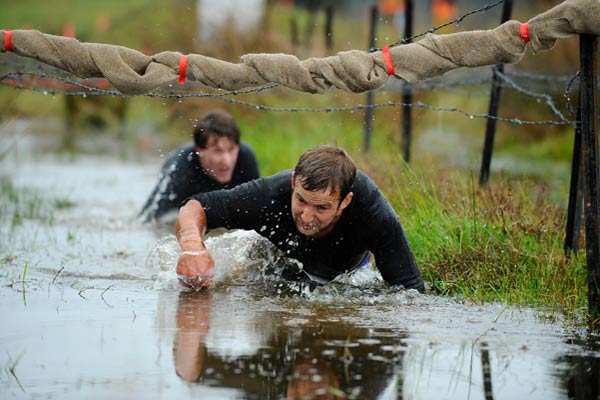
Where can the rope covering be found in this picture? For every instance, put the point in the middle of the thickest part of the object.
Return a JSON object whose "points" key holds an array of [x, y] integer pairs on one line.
{"points": [[132, 72]]}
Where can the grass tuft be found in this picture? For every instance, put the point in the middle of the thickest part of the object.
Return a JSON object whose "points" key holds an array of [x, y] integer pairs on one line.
{"points": [[502, 242]]}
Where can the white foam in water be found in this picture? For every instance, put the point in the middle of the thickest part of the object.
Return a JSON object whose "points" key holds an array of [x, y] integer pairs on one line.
{"points": [[235, 254]]}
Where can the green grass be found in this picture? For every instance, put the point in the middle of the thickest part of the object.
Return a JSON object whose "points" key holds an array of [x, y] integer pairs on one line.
{"points": [[20, 204], [502, 242]]}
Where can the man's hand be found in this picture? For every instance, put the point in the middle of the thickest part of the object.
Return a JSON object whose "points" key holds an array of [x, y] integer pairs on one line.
{"points": [[195, 269], [195, 264]]}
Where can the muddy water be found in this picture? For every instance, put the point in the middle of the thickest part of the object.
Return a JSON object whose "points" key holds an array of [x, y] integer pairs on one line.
{"points": [[91, 308]]}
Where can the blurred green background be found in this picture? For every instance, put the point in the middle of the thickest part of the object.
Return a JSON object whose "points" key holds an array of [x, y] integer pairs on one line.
{"points": [[297, 28]]}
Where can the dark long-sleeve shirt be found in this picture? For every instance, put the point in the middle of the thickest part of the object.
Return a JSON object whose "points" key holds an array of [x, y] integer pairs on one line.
{"points": [[369, 223], [182, 176]]}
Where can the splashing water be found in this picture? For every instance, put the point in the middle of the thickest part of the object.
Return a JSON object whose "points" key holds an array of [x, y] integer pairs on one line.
{"points": [[240, 258], [246, 258]]}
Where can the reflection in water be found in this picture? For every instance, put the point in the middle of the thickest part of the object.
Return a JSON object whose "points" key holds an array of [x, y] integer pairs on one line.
{"points": [[582, 375], [189, 350], [301, 348], [487, 372], [314, 359]]}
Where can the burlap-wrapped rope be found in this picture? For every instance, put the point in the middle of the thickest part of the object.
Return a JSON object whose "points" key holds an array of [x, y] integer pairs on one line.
{"points": [[132, 72]]}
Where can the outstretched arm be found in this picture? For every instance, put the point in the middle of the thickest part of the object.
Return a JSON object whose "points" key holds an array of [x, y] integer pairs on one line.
{"points": [[195, 263]]}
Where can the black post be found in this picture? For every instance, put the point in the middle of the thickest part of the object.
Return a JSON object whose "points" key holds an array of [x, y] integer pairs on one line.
{"points": [[588, 51], [575, 191], [294, 36], [370, 113], [407, 88], [329, 27], [490, 128]]}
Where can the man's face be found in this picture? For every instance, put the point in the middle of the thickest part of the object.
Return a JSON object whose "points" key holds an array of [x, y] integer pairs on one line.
{"points": [[219, 157], [316, 212]]}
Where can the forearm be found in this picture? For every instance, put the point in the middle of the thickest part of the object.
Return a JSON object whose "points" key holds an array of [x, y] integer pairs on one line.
{"points": [[190, 226]]}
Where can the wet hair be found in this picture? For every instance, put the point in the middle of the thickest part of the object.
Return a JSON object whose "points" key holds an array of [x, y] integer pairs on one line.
{"points": [[218, 123], [326, 167]]}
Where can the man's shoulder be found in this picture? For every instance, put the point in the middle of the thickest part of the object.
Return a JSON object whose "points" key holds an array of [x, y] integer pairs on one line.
{"points": [[264, 191], [281, 179], [273, 186], [246, 150], [364, 185], [183, 153], [369, 201]]}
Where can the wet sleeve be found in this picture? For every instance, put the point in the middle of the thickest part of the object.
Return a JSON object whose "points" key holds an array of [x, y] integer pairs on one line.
{"points": [[162, 198], [393, 256], [238, 208]]}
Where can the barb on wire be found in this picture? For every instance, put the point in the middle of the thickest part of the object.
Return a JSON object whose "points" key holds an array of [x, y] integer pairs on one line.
{"points": [[567, 94]]}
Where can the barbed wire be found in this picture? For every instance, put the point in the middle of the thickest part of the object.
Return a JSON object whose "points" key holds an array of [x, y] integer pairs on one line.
{"points": [[86, 90], [96, 91], [567, 93], [390, 103], [455, 21], [513, 85]]}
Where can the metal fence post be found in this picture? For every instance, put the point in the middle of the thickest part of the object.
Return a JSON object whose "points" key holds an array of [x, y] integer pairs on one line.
{"points": [[407, 89], [329, 27], [575, 207], [369, 112], [588, 50], [490, 128]]}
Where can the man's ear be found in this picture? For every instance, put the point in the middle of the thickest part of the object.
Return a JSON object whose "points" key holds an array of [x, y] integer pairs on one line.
{"points": [[347, 200], [198, 149]]}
